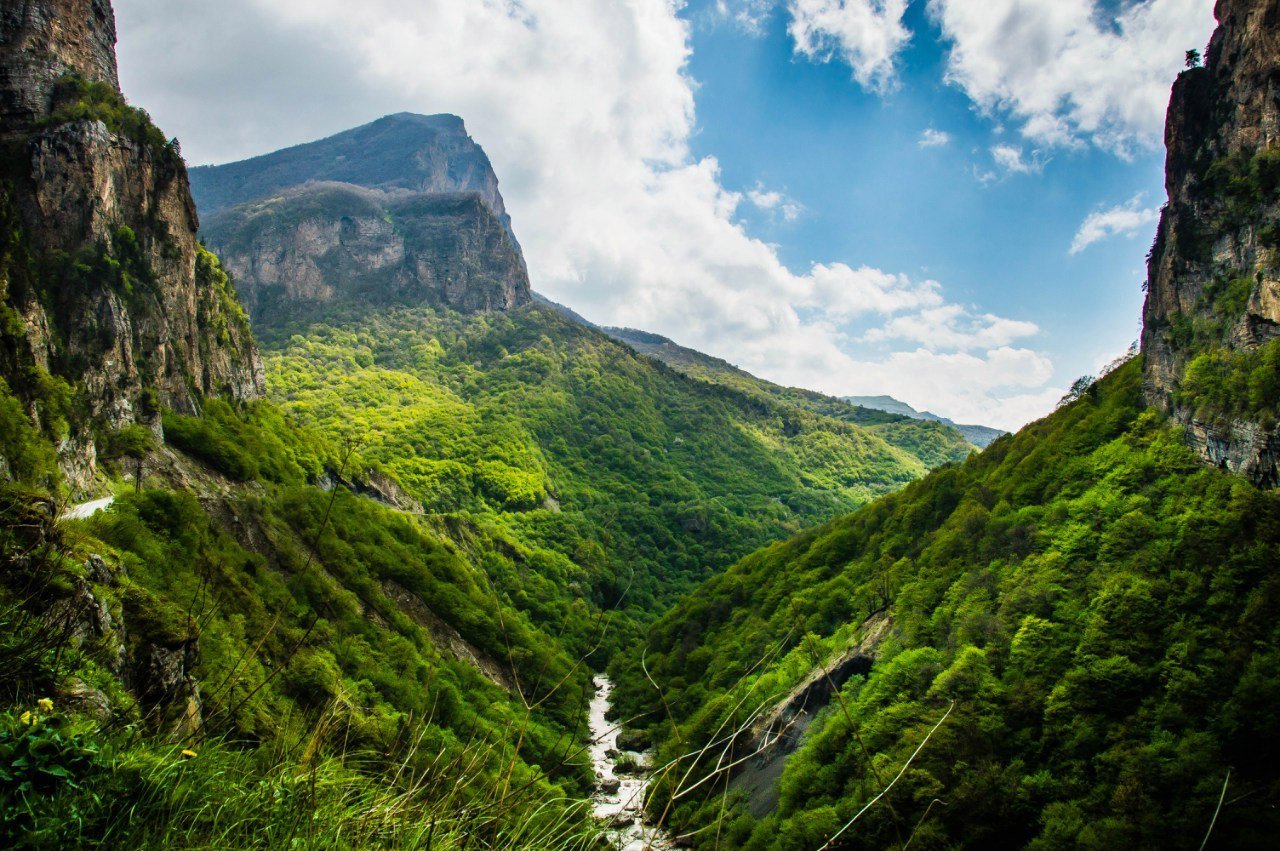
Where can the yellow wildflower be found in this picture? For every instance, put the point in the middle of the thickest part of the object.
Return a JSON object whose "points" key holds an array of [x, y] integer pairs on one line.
{"points": [[189, 753], [44, 704], [25, 718]]}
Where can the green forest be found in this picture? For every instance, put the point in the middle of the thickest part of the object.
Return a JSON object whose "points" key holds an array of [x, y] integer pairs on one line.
{"points": [[1092, 611], [625, 480]]}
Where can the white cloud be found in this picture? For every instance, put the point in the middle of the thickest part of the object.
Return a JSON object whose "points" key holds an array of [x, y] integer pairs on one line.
{"points": [[963, 385], [1014, 161], [750, 16], [586, 110], [1067, 72], [1128, 219], [950, 326], [865, 34], [773, 200], [932, 138]]}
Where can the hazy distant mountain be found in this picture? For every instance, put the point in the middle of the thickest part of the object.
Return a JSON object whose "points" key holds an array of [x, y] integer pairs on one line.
{"points": [[978, 435]]}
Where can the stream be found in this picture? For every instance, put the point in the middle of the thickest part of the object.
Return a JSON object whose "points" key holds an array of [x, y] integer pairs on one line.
{"points": [[619, 796]]}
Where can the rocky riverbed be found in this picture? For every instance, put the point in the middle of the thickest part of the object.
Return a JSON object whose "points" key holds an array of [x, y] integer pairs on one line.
{"points": [[620, 794]]}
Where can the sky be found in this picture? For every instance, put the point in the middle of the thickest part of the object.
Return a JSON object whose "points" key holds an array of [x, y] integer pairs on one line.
{"points": [[948, 201]]}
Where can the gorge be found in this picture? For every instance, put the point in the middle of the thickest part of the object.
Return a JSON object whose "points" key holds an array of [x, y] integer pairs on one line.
{"points": [[320, 528]]}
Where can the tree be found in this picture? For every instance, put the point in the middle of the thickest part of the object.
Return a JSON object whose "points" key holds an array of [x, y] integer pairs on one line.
{"points": [[1193, 59], [134, 442]]}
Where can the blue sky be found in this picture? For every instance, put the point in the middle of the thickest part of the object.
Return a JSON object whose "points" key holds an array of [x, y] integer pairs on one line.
{"points": [[945, 200], [871, 194]]}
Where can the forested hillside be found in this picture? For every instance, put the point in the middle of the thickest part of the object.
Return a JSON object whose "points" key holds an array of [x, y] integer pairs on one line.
{"points": [[322, 544], [363, 610], [1091, 609], [630, 480], [258, 642], [624, 480]]}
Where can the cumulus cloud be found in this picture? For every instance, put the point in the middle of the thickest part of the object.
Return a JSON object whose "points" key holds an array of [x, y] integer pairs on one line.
{"points": [[865, 34], [950, 326], [774, 201], [966, 382], [586, 110], [1068, 72], [1128, 219], [932, 138]]}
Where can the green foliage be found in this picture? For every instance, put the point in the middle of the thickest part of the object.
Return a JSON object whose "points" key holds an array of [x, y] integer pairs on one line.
{"points": [[132, 441], [40, 750], [1232, 384], [28, 455], [1244, 185], [91, 788], [606, 468], [77, 99], [230, 314], [258, 443], [1099, 606]]}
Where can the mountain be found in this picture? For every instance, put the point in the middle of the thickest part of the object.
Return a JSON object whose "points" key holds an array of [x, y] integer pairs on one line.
{"points": [[632, 478], [413, 153], [346, 592], [979, 436], [1067, 641], [104, 284], [404, 211], [1211, 331]]}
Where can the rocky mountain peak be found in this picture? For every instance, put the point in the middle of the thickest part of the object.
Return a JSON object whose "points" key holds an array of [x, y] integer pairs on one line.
{"points": [[1211, 329], [403, 211], [404, 151]]}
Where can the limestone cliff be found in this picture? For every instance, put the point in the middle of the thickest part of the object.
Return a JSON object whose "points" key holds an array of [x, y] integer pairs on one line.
{"points": [[326, 244], [104, 283], [1211, 330], [403, 211]]}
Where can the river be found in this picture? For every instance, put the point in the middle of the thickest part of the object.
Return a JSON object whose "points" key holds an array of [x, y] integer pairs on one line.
{"points": [[623, 806]]}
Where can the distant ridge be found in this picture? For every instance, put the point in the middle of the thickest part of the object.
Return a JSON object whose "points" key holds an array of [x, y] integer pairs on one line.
{"points": [[705, 367], [979, 435]]}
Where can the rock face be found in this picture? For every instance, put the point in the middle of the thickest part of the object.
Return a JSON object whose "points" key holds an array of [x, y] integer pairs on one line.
{"points": [[43, 39], [104, 283], [1213, 288], [403, 211], [776, 733], [327, 244]]}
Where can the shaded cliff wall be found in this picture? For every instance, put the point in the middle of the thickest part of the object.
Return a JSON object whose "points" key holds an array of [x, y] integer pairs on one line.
{"points": [[104, 283], [1211, 325]]}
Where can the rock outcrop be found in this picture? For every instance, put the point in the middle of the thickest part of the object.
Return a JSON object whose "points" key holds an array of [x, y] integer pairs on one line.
{"points": [[776, 732], [1213, 289], [40, 40], [104, 283], [403, 211], [322, 245]]}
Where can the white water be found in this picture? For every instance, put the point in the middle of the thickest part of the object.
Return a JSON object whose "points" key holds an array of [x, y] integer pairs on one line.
{"points": [[624, 807]]}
